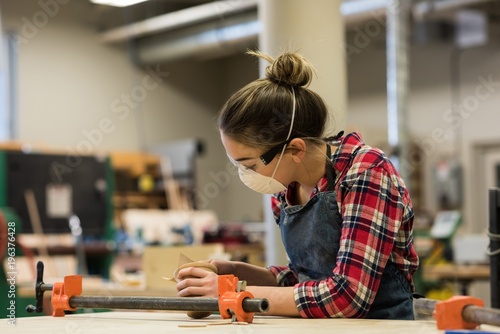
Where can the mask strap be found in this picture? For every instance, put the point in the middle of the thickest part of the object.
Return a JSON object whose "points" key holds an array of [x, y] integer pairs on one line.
{"points": [[289, 133], [293, 115]]}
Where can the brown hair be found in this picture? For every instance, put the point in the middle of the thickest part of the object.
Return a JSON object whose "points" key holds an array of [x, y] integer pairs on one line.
{"points": [[259, 114]]}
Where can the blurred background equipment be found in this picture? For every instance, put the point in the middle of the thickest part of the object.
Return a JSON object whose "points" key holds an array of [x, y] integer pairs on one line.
{"points": [[45, 190], [43, 194]]}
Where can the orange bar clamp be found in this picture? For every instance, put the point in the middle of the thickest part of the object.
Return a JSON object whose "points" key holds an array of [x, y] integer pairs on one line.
{"points": [[62, 292], [231, 299], [449, 313]]}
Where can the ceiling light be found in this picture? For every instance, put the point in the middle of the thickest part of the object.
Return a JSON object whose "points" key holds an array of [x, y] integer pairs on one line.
{"points": [[117, 3]]}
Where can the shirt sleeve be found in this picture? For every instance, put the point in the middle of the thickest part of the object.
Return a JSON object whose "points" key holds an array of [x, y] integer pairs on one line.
{"points": [[372, 211], [284, 275]]}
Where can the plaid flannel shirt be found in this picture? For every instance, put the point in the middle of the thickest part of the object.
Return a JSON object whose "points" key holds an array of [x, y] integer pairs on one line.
{"points": [[377, 225]]}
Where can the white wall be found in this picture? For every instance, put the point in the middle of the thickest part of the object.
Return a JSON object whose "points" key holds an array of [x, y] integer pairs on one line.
{"points": [[219, 184]]}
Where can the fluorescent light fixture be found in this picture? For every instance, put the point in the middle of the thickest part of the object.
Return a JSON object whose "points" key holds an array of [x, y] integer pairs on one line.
{"points": [[117, 3]]}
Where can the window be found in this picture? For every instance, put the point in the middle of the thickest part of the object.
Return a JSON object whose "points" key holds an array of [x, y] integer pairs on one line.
{"points": [[8, 86]]}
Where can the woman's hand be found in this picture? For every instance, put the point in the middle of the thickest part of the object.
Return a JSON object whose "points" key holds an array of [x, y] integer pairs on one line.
{"points": [[197, 282]]}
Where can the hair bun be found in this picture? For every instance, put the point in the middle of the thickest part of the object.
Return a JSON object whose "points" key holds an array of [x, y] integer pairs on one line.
{"points": [[290, 68]]}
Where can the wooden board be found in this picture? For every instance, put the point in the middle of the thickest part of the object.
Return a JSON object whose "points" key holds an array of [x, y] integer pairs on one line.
{"points": [[94, 288], [168, 322], [456, 271], [161, 262]]}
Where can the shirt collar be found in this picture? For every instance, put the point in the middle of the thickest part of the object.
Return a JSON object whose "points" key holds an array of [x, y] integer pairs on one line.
{"points": [[349, 144]]}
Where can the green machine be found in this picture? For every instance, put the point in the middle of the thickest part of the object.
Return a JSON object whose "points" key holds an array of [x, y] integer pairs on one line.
{"points": [[65, 194], [437, 250]]}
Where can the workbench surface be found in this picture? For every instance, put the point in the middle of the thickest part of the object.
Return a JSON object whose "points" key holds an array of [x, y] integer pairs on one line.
{"points": [[169, 322]]}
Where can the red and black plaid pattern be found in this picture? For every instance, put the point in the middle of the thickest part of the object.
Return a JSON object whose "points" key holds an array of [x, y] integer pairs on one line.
{"points": [[377, 226]]}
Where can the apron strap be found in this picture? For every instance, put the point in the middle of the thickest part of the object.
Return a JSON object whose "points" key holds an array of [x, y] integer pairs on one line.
{"points": [[330, 177]]}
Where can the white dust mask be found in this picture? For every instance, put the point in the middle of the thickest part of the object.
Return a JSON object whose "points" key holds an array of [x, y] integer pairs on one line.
{"points": [[258, 182], [266, 184]]}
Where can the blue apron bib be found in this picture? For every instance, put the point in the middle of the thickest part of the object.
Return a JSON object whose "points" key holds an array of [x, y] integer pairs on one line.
{"points": [[311, 236]]}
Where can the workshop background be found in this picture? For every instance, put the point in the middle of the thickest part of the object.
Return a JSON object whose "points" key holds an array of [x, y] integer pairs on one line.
{"points": [[111, 165]]}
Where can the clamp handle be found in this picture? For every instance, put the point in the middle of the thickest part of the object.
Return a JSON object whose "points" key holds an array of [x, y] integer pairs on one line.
{"points": [[40, 288]]}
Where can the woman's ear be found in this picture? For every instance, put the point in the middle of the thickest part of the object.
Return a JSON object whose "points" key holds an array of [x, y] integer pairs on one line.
{"points": [[298, 149]]}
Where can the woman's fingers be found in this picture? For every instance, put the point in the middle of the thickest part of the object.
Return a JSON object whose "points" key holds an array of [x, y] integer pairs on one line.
{"points": [[192, 272], [198, 291], [197, 282]]}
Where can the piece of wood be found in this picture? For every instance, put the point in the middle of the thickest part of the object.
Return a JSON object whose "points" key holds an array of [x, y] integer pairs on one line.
{"points": [[35, 221], [174, 198], [56, 267], [136, 163], [97, 287], [161, 262], [456, 271], [36, 225]]}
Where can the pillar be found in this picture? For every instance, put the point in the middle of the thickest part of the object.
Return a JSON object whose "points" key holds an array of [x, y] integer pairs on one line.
{"points": [[315, 29]]}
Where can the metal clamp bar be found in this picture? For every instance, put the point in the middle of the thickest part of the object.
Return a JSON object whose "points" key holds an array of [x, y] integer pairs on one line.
{"points": [[162, 303]]}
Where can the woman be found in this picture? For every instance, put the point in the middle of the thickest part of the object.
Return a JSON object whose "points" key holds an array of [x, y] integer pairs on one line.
{"points": [[345, 215]]}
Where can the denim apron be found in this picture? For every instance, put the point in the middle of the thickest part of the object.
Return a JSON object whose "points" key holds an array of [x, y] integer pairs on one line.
{"points": [[311, 236]]}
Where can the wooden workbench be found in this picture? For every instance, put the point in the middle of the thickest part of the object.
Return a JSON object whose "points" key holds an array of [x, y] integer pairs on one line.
{"points": [[169, 322]]}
